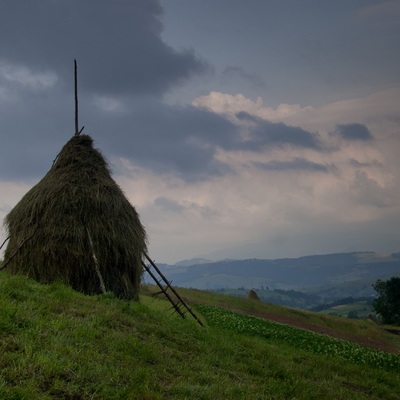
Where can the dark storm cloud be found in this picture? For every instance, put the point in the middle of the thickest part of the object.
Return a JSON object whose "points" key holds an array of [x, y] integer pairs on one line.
{"points": [[148, 132], [117, 43], [184, 140], [354, 132], [165, 138], [121, 55], [32, 130], [265, 133], [296, 164]]}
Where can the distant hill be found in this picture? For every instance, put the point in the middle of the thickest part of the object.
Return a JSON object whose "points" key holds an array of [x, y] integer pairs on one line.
{"points": [[348, 274], [192, 261]]}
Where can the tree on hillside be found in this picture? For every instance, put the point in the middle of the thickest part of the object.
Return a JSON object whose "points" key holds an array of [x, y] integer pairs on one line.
{"points": [[387, 304]]}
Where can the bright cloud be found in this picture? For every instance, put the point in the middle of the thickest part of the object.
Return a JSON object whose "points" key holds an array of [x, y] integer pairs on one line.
{"points": [[26, 77], [232, 104], [11, 193], [274, 191]]}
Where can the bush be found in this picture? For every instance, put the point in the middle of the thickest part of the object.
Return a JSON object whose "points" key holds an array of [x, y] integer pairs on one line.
{"points": [[387, 304]]}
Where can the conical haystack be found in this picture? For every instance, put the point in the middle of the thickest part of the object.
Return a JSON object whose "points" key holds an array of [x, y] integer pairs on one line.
{"points": [[74, 213], [253, 295]]}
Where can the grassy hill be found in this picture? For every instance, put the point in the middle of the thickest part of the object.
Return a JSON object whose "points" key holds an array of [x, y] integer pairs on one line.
{"points": [[59, 344], [354, 309]]}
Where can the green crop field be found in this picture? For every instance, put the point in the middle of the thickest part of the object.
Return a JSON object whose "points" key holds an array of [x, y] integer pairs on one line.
{"points": [[300, 338], [59, 344]]}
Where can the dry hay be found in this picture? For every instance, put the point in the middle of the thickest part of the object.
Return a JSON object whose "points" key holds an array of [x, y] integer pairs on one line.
{"points": [[78, 198], [253, 295]]}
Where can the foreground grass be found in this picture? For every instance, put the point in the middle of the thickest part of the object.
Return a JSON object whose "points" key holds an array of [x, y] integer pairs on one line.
{"points": [[59, 344]]}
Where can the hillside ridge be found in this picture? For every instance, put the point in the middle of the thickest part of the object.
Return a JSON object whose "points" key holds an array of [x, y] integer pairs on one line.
{"points": [[56, 343]]}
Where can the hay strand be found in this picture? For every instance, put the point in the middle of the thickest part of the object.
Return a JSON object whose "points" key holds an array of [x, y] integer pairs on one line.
{"points": [[96, 264]]}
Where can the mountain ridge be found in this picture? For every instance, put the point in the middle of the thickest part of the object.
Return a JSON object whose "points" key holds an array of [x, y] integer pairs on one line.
{"points": [[303, 273]]}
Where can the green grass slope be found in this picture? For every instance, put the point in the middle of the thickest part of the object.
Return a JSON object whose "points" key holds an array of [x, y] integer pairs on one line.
{"points": [[59, 344], [363, 332], [359, 309]]}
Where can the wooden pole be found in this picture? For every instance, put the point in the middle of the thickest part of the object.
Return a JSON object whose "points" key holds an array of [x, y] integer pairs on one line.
{"points": [[5, 241], [76, 98], [6, 262]]}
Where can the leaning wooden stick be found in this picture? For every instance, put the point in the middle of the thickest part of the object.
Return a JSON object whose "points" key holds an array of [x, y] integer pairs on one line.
{"points": [[17, 250], [5, 241], [171, 288], [96, 263]]}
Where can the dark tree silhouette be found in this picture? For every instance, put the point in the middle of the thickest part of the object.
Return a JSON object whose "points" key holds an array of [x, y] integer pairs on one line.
{"points": [[387, 304]]}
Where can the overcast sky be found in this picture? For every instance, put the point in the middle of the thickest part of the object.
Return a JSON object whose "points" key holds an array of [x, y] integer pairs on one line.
{"points": [[237, 128]]}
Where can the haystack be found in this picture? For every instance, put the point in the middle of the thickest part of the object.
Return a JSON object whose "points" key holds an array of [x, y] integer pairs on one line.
{"points": [[81, 229], [253, 295]]}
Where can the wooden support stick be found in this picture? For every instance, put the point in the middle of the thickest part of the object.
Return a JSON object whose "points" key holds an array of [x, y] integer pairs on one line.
{"points": [[16, 251], [76, 98], [5, 241], [172, 289], [174, 305], [96, 264]]}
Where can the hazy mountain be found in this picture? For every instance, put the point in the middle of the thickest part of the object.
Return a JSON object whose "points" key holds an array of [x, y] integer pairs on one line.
{"points": [[303, 273], [192, 261]]}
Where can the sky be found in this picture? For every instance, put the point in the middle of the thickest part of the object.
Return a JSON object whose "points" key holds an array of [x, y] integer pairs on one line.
{"points": [[237, 128]]}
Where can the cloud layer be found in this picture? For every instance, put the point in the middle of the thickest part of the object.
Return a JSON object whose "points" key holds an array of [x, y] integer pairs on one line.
{"points": [[223, 171], [119, 46]]}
